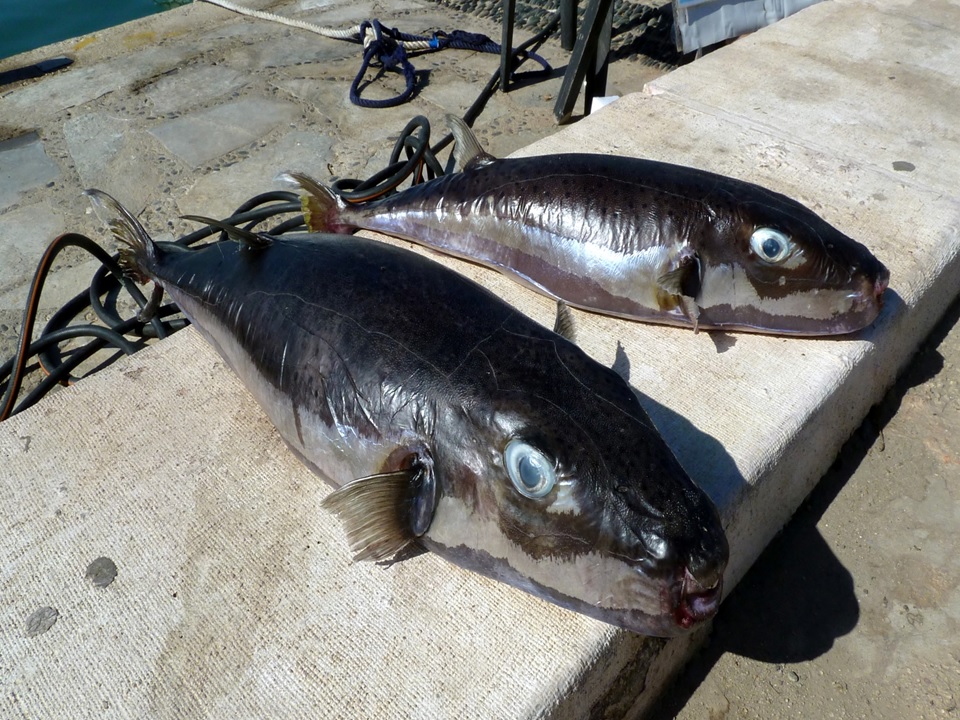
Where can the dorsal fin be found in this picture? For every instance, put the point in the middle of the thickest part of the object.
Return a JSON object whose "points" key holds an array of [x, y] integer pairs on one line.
{"points": [[564, 324], [244, 237], [137, 250], [466, 149]]}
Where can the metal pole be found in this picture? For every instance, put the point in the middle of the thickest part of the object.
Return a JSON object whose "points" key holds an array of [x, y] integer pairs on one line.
{"points": [[584, 57], [506, 44]]}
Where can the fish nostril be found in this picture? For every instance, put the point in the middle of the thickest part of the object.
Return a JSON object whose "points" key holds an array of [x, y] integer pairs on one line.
{"points": [[705, 580]]}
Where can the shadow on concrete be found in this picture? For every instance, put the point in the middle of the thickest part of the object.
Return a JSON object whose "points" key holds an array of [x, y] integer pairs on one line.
{"points": [[798, 598], [385, 84], [722, 341]]}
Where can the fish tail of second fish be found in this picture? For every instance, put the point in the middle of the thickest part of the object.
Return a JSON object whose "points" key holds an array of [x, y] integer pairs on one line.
{"points": [[322, 208]]}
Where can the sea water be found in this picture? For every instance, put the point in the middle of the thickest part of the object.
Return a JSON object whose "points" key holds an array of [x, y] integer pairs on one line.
{"points": [[29, 24]]}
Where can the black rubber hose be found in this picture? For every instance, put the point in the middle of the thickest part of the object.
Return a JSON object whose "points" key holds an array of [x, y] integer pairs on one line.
{"points": [[421, 163], [104, 336]]}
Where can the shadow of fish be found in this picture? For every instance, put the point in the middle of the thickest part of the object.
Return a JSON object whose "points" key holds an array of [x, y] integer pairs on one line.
{"points": [[448, 420], [633, 238]]}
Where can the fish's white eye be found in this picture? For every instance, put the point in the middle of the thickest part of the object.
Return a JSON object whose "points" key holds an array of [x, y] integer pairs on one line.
{"points": [[771, 245], [530, 471]]}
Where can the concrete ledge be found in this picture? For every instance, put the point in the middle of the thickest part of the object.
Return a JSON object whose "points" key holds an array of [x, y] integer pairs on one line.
{"points": [[235, 595]]}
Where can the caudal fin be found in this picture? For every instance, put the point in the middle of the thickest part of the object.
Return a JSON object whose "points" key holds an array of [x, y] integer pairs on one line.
{"points": [[322, 208], [138, 251]]}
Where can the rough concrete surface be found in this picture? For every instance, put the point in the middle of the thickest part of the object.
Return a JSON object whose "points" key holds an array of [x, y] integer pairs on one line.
{"points": [[853, 612], [234, 596]]}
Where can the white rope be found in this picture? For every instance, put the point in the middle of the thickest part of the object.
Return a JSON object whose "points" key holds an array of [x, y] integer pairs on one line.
{"points": [[333, 33], [301, 24]]}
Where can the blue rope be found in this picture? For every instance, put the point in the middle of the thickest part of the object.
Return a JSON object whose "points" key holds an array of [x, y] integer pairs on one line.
{"points": [[463, 40], [388, 52]]}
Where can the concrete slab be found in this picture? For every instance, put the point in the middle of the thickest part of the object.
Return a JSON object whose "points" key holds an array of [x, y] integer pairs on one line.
{"points": [[107, 150], [204, 135], [235, 596], [220, 192], [26, 232], [83, 84], [24, 165], [943, 13], [191, 86], [94, 139], [287, 48], [888, 79]]}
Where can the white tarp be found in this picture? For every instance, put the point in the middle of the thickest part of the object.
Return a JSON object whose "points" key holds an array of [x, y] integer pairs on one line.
{"points": [[700, 23]]}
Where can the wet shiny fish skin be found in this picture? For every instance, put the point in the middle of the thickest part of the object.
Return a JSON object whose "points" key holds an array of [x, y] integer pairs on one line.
{"points": [[632, 238], [395, 377]]}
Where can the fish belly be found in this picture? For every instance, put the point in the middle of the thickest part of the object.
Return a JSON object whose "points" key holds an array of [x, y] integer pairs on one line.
{"points": [[557, 260]]}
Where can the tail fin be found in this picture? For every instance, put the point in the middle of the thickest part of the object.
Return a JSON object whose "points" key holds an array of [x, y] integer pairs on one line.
{"points": [[138, 251], [322, 208]]}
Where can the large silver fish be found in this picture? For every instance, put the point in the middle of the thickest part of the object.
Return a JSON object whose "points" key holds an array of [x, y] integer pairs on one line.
{"points": [[450, 421], [633, 238]]}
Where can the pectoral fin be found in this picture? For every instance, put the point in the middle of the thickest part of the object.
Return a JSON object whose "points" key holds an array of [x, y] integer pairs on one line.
{"points": [[383, 514], [684, 281], [685, 278], [149, 311], [692, 311]]}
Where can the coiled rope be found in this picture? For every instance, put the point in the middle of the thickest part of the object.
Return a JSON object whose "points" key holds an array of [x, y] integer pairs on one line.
{"points": [[128, 334], [386, 47]]}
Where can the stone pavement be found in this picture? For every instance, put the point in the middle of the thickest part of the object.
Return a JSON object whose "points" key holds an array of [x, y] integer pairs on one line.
{"points": [[214, 107], [196, 110]]}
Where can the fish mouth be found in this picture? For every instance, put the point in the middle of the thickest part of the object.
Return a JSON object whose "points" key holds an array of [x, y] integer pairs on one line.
{"points": [[697, 602], [867, 300]]}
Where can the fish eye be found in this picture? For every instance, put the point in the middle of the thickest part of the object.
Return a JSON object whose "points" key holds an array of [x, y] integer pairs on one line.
{"points": [[771, 245], [531, 472]]}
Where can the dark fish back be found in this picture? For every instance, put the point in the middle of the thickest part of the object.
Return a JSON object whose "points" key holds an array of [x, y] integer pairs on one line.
{"points": [[369, 304]]}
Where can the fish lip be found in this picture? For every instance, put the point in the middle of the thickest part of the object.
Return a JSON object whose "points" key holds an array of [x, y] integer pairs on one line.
{"points": [[696, 603], [866, 303]]}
